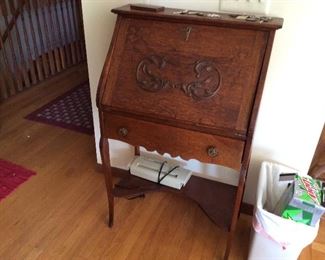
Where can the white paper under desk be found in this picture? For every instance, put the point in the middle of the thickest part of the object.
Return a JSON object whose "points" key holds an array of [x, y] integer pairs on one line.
{"points": [[159, 170], [203, 170], [122, 155]]}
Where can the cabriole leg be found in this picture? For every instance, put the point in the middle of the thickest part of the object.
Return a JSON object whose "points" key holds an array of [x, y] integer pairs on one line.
{"points": [[236, 209], [104, 151]]}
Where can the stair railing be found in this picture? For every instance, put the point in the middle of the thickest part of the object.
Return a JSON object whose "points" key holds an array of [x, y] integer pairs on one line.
{"points": [[38, 39]]}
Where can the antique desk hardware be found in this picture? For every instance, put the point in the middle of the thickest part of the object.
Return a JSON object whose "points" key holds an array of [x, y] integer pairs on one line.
{"points": [[188, 85]]}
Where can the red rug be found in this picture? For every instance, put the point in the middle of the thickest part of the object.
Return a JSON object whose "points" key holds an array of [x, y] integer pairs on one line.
{"points": [[72, 110], [11, 176]]}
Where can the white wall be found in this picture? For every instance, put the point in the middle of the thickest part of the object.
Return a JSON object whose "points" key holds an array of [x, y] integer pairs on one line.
{"points": [[292, 112], [99, 25]]}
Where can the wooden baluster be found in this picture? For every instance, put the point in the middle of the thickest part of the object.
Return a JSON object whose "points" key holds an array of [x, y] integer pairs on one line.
{"points": [[69, 28], [78, 32], [36, 49], [70, 32], [75, 30], [3, 86], [63, 48], [4, 93], [17, 71], [30, 64], [81, 29], [40, 34], [7, 74], [23, 63], [42, 6], [15, 15], [65, 32], [56, 50]]}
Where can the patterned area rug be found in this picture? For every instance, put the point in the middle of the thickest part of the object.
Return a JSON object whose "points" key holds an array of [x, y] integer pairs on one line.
{"points": [[72, 110], [11, 176]]}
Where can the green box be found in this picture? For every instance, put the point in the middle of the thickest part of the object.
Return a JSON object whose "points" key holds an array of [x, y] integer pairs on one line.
{"points": [[302, 201]]}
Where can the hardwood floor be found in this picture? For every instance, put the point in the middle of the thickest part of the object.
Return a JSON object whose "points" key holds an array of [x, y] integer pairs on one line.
{"points": [[60, 213]]}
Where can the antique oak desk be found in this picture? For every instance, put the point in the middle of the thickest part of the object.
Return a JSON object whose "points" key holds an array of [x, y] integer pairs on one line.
{"points": [[189, 85]]}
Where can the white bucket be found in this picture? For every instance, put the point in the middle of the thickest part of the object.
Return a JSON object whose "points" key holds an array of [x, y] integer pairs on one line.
{"points": [[273, 237]]}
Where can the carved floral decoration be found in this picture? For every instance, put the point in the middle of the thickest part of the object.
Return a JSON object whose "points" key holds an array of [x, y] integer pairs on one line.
{"points": [[205, 71]]}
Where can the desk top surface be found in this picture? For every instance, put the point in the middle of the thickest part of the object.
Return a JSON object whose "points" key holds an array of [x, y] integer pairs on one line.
{"points": [[212, 18]]}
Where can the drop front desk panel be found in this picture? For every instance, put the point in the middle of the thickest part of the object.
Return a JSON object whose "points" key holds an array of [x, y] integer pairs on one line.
{"points": [[189, 86]]}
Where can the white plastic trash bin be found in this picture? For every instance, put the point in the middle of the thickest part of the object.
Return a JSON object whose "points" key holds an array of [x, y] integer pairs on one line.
{"points": [[273, 237]]}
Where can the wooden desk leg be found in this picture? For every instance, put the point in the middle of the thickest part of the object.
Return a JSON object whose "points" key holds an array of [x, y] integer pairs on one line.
{"points": [[230, 238], [234, 219], [104, 151], [137, 150]]}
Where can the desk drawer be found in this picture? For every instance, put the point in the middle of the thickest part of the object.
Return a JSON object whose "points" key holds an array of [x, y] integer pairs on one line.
{"points": [[175, 141]]}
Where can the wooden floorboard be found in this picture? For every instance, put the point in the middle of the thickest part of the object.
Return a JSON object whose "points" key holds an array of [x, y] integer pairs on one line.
{"points": [[61, 212]]}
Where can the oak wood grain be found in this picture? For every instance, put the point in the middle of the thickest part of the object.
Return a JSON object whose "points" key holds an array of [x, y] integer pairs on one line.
{"points": [[224, 19], [182, 84], [177, 141], [174, 61]]}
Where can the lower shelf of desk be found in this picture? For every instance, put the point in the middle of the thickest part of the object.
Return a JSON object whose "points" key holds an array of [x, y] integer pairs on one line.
{"points": [[216, 199]]}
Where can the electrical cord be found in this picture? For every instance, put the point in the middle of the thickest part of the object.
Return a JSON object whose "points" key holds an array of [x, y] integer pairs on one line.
{"points": [[160, 171]]}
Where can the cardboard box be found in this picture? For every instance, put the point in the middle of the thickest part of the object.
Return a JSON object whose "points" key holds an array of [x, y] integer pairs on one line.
{"points": [[302, 201]]}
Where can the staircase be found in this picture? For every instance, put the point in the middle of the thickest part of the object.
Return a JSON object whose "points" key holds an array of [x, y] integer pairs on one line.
{"points": [[38, 39]]}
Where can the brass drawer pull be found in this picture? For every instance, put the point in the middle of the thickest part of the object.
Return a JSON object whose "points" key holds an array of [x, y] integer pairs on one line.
{"points": [[212, 151], [123, 131]]}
